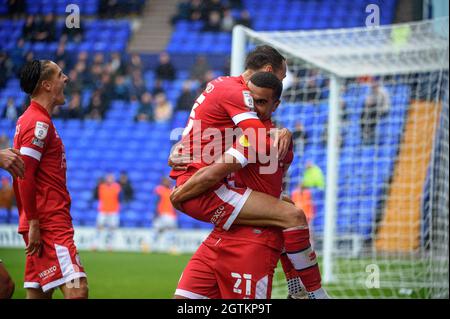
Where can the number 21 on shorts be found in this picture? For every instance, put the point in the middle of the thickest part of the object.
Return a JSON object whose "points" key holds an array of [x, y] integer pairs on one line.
{"points": [[238, 285]]}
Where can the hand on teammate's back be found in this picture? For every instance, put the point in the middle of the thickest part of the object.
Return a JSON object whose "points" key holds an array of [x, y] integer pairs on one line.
{"points": [[11, 161], [177, 160], [173, 198], [282, 140]]}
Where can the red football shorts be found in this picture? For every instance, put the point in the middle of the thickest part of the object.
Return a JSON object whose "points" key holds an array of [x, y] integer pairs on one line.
{"points": [[225, 268], [57, 264], [219, 206]]}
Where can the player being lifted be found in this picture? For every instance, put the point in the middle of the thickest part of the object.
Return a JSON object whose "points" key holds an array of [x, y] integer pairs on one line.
{"points": [[226, 103], [42, 198], [240, 262]]}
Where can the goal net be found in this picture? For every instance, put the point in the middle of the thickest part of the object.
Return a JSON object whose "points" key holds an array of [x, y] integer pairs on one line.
{"points": [[369, 111]]}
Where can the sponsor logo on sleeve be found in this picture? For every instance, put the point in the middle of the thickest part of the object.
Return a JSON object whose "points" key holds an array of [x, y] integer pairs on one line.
{"points": [[41, 130], [248, 99], [37, 142], [243, 140]]}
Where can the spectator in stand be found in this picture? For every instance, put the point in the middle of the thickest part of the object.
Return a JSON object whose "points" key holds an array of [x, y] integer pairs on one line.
{"points": [[158, 88], [138, 86], [75, 84], [16, 8], [17, 55], [227, 21], [166, 217], [235, 4], [213, 5], [61, 54], [245, 19], [29, 29], [7, 198], [6, 68], [376, 105], [46, 29], [313, 176], [214, 23], [108, 8], [199, 69], [96, 109], [163, 108], [145, 111], [165, 70], [135, 63], [121, 91], [108, 212], [11, 111], [73, 34], [197, 10], [183, 12], [74, 109], [209, 76], [187, 97], [126, 187], [116, 64], [300, 139]]}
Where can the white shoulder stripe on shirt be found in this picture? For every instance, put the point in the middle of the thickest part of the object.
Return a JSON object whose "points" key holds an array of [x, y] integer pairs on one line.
{"points": [[30, 152], [238, 156], [244, 116]]}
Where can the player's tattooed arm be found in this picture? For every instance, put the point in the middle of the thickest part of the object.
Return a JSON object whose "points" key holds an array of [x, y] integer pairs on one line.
{"points": [[204, 179], [11, 161]]}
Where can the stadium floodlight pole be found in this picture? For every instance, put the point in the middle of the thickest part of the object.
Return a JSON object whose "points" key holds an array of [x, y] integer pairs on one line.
{"points": [[238, 51], [332, 178]]}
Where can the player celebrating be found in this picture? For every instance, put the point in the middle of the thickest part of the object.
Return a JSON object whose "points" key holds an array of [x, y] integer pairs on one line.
{"points": [[240, 262], [42, 198], [224, 205]]}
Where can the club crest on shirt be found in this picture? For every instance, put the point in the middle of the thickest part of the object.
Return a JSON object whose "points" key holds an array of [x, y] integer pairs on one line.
{"points": [[248, 99], [41, 130]]}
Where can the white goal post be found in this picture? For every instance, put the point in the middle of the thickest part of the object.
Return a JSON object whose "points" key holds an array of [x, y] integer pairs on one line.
{"points": [[381, 221]]}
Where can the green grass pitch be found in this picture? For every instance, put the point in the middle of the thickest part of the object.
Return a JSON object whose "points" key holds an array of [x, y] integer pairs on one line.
{"points": [[140, 275], [114, 274]]}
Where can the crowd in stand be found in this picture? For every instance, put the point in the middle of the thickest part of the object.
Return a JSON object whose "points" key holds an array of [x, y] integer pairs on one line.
{"points": [[216, 15], [111, 79]]}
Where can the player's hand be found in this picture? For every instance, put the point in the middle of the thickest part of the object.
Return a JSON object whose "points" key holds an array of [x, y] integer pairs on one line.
{"points": [[286, 198], [11, 160], [282, 140], [174, 199], [34, 239], [177, 159]]}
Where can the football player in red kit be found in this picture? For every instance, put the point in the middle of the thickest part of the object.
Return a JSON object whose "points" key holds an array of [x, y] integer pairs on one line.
{"points": [[43, 200], [243, 253]]}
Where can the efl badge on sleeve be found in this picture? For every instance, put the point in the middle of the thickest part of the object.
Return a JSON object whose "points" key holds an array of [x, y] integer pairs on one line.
{"points": [[248, 99], [41, 130]]}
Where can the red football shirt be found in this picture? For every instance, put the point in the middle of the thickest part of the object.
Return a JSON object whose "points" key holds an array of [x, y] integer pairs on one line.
{"points": [[252, 177], [37, 138], [224, 105]]}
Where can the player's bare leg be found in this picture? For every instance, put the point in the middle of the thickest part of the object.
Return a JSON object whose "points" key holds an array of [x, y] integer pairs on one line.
{"points": [[179, 297], [264, 210], [75, 289], [37, 293]]}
